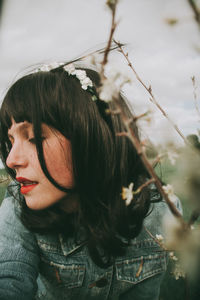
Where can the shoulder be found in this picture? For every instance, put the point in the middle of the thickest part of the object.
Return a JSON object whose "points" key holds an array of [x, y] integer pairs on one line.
{"points": [[9, 204], [7, 208], [10, 222]]}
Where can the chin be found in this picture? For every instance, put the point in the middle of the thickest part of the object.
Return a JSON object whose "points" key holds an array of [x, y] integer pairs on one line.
{"points": [[39, 204], [34, 204]]}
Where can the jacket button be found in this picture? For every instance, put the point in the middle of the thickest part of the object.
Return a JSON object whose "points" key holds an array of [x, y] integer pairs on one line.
{"points": [[101, 282]]}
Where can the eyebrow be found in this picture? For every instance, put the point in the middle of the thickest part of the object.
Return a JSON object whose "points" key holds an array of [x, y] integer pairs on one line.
{"points": [[20, 126]]}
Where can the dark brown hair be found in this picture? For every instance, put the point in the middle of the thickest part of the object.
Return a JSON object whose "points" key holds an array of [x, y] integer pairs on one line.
{"points": [[103, 162]]}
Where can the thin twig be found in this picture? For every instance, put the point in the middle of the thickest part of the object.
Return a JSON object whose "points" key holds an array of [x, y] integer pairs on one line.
{"points": [[158, 159], [195, 10], [112, 30], [99, 51], [195, 95], [155, 239], [148, 182], [149, 90], [140, 116]]}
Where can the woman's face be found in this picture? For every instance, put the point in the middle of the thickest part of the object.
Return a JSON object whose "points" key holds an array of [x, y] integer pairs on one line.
{"points": [[38, 191]]}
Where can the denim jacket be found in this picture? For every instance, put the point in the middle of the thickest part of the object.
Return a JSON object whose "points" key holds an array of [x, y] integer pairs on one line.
{"points": [[34, 266]]}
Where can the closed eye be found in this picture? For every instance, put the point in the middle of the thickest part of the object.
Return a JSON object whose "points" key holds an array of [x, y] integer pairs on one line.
{"points": [[11, 139], [33, 140]]}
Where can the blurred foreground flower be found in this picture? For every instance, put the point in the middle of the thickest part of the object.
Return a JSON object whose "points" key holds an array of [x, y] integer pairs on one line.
{"points": [[186, 243], [172, 256], [170, 192], [108, 90], [159, 237], [172, 156], [178, 271], [112, 86]]}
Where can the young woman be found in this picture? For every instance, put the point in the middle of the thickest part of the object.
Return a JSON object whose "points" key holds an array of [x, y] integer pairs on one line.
{"points": [[65, 230]]}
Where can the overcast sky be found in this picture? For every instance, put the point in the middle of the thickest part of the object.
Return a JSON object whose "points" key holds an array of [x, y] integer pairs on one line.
{"points": [[164, 56]]}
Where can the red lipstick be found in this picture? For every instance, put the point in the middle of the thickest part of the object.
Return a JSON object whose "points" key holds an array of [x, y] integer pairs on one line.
{"points": [[26, 184]]}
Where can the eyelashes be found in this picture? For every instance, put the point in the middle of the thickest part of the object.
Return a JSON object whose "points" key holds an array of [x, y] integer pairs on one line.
{"points": [[33, 140]]}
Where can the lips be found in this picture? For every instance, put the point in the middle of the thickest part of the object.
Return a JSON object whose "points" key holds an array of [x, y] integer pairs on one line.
{"points": [[26, 184]]}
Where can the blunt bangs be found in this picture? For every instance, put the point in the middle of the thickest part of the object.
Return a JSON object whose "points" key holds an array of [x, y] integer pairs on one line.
{"points": [[48, 97], [28, 97]]}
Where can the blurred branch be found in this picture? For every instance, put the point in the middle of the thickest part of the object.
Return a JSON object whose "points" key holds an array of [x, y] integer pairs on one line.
{"points": [[195, 95], [196, 11], [112, 4], [1, 8]]}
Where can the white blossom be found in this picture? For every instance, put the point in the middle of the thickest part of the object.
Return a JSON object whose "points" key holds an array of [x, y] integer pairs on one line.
{"points": [[80, 74], [108, 90], [170, 192], [178, 272], [172, 256], [127, 194], [159, 237], [85, 83], [173, 232]]}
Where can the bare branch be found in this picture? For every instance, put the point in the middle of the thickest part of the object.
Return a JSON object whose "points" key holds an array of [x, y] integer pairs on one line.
{"points": [[140, 116], [144, 185], [155, 239], [149, 90], [195, 95], [136, 143], [112, 6]]}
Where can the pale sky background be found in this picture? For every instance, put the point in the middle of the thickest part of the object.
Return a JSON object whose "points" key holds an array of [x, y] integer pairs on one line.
{"points": [[165, 56]]}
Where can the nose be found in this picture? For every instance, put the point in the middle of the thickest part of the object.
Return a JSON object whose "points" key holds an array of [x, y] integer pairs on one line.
{"points": [[16, 157]]}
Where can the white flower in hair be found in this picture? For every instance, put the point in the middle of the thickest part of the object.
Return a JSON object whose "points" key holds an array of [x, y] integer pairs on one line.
{"points": [[45, 68], [49, 67], [85, 83], [127, 194], [80, 74], [69, 69], [55, 65]]}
